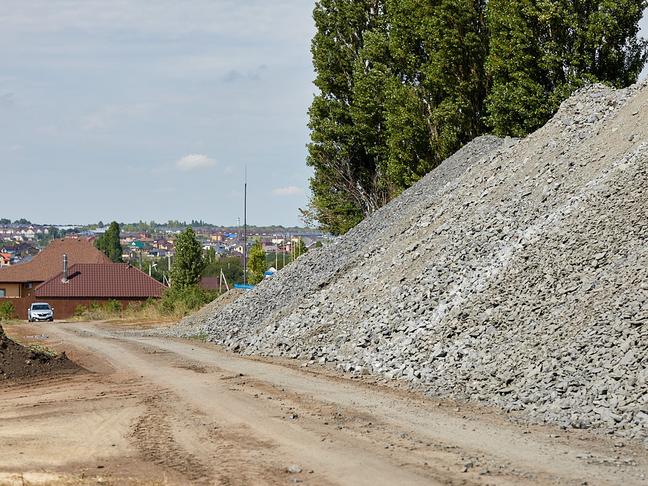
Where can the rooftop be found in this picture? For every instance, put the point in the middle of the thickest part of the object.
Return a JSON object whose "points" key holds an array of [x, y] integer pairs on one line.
{"points": [[103, 280], [49, 262]]}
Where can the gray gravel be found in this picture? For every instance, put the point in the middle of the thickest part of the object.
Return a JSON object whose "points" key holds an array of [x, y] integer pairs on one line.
{"points": [[515, 274]]}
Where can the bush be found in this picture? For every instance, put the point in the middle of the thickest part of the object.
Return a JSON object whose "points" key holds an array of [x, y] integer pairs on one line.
{"points": [[7, 311], [178, 302], [113, 306], [174, 304], [80, 310], [98, 311]]}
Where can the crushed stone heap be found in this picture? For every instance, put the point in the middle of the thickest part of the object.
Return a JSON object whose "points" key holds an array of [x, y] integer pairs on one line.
{"points": [[17, 361], [515, 274]]}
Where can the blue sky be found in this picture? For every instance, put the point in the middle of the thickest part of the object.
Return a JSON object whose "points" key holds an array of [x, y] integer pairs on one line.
{"points": [[142, 109]]}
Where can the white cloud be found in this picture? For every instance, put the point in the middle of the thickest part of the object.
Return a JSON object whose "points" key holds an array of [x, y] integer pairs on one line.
{"points": [[195, 162], [288, 191]]}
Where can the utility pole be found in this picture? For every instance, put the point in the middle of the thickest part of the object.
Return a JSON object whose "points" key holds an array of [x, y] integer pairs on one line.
{"points": [[245, 228]]}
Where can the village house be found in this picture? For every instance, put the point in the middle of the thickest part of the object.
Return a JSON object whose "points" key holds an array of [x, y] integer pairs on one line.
{"points": [[20, 280], [89, 283], [72, 272]]}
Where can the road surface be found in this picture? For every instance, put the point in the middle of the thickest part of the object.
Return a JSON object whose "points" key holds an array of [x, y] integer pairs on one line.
{"points": [[154, 410]]}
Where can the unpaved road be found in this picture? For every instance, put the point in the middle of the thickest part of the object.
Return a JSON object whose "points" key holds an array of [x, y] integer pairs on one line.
{"points": [[162, 411]]}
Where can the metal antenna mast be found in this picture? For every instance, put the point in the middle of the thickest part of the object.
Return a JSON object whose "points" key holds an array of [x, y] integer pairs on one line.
{"points": [[245, 228]]}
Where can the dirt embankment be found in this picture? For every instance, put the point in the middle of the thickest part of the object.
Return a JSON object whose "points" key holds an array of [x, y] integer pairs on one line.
{"points": [[18, 361]]}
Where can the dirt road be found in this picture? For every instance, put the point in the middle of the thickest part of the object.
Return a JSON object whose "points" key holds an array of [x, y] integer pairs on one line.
{"points": [[160, 411]]}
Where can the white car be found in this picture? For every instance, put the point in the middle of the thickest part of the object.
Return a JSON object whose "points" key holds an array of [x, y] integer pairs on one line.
{"points": [[40, 311]]}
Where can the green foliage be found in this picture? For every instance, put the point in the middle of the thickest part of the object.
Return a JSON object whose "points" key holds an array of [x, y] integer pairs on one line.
{"points": [[300, 248], [178, 301], [278, 260], [189, 261], [5, 221], [543, 50], [344, 150], [231, 266], [7, 311], [435, 97], [109, 243], [80, 310], [401, 88], [403, 84], [113, 306], [256, 263]]}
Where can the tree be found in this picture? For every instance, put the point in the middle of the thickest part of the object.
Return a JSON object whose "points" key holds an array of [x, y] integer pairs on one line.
{"points": [[189, 262], [5, 221], [110, 243], [22, 221], [256, 263], [435, 97], [403, 84], [231, 266], [346, 183], [543, 50], [300, 248], [401, 87]]}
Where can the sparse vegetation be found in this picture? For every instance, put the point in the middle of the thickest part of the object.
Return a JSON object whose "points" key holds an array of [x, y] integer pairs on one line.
{"points": [[175, 304], [7, 311]]}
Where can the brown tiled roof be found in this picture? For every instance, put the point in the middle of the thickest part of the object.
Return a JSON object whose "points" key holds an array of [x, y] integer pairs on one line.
{"points": [[107, 280], [49, 262]]}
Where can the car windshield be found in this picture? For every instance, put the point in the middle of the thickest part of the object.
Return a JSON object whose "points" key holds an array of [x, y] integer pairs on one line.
{"points": [[41, 307]]}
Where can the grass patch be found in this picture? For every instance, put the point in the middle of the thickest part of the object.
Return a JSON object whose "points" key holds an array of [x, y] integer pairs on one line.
{"points": [[40, 349], [174, 305]]}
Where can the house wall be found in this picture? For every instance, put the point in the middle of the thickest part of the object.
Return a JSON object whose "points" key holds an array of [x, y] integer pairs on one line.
{"points": [[11, 289], [63, 308], [27, 289]]}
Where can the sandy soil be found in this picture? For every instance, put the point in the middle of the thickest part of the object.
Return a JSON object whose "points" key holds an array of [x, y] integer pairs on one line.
{"points": [[161, 411]]}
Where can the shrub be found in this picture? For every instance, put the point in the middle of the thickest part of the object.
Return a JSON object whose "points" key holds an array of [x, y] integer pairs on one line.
{"points": [[80, 310], [7, 311], [178, 302], [113, 306]]}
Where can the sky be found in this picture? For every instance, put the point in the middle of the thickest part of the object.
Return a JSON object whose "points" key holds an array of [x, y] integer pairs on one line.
{"points": [[135, 110]]}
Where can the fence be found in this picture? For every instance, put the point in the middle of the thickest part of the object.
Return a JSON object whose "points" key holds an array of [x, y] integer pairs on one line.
{"points": [[63, 308]]}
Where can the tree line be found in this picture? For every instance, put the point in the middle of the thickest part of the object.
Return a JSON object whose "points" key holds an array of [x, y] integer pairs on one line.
{"points": [[403, 84]]}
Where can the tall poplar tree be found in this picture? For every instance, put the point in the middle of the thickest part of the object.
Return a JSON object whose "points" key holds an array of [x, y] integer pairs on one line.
{"points": [[110, 243], [435, 100], [543, 50], [256, 263], [346, 182], [189, 261]]}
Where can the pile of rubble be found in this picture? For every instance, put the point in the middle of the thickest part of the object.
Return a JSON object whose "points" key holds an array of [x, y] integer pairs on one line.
{"points": [[515, 274]]}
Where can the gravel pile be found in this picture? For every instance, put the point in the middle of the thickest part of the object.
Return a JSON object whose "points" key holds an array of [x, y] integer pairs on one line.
{"points": [[515, 274]]}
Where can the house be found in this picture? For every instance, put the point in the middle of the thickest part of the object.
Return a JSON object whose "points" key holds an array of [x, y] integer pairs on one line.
{"points": [[19, 281], [88, 283], [5, 259]]}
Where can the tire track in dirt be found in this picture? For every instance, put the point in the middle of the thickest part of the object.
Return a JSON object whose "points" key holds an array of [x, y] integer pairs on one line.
{"points": [[152, 434]]}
